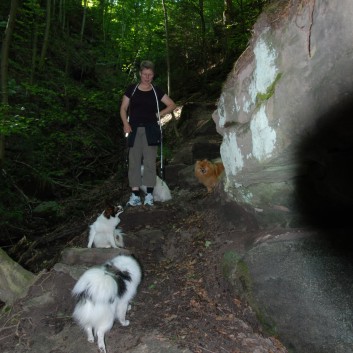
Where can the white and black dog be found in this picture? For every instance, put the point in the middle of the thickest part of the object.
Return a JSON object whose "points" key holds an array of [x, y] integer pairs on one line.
{"points": [[104, 233], [104, 294]]}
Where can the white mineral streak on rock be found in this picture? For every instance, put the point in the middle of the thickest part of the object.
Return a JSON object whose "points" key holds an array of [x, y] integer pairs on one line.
{"points": [[263, 136], [265, 69], [221, 111], [231, 154]]}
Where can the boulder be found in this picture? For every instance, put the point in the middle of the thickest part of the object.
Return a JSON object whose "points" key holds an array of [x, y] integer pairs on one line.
{"points": [[300, 289], [14, 279], [285, 113]]}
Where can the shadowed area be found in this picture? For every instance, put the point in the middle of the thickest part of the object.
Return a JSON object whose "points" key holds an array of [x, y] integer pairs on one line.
{"points": [[325, 188]]}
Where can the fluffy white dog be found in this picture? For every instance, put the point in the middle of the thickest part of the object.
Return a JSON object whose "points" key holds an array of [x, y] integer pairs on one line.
{"points": [[104, 294], [161, 190], [104, 233]]}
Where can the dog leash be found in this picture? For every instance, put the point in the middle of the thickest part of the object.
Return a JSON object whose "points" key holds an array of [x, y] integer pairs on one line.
{"points": [[160, 126], [127, 134]]}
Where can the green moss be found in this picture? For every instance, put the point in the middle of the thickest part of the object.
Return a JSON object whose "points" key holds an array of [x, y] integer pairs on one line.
{"points": [[48, 208], [236, 271], [229, 262], [263, 97], [6, 309]]}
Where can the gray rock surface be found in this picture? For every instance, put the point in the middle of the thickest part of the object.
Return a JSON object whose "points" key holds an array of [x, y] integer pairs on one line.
{"points": [[285, 114], [85, 256], [14, 279], [301, 288]]}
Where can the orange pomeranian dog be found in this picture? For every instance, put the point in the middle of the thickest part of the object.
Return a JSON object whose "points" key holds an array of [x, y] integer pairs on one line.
{"points": [[208, 173]]}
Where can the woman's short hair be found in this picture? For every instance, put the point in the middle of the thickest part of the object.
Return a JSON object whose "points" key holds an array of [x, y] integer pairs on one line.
{"points": [[146, 64]]}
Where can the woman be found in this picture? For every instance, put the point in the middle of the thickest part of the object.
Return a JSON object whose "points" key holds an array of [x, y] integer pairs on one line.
{"points": [[139, 114]]}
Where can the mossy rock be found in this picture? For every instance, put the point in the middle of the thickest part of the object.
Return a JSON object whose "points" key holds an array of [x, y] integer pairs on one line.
{"points": [[236, 271], [49, 209]]}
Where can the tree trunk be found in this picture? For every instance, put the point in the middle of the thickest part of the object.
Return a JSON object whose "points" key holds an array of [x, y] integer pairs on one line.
{"points": [[62, 14], [46, 36], [14, 279], [102, 13], [229, 13], [34, 53], [168, 62], [166, 43], [83, 19], [203, 30], [5, 70]]}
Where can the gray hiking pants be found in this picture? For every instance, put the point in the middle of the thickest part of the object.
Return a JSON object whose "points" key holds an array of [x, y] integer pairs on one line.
{"points": [[142, 154]]}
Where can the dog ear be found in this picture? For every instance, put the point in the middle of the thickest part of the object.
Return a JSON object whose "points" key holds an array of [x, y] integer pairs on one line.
{"points": [[118, 208]]}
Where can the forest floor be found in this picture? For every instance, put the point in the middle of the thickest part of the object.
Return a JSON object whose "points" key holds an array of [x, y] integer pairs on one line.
{"points": [[184, 303]]}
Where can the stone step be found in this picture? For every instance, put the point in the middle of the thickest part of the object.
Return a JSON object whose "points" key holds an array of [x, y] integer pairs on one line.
{"points": [[90, 256]]}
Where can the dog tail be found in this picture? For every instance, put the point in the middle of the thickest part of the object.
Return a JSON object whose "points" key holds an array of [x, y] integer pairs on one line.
{"points": [[96, 285], [119, 237]]}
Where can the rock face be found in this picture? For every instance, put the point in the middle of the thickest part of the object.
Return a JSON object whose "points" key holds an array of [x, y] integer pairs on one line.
{"points": [[14, 279], [285, 114], [284, 110], [301, 289]]}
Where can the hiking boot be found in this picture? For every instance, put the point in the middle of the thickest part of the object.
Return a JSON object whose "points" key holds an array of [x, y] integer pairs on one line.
{"points": [[148, 200], [134, 200]]}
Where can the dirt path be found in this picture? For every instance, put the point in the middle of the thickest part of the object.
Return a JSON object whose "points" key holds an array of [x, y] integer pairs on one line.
{"points": [[183, 305]]}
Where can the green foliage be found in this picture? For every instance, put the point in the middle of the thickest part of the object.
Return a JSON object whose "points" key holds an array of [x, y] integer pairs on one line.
{"points": [[62, 126], [10, 216], [167, 152], [48, 208]]}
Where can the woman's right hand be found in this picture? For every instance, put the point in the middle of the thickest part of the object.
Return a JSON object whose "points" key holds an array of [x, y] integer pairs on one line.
{"points": [[127, 128]]}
